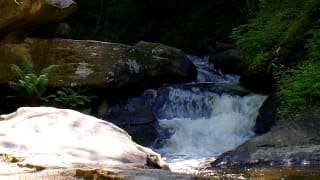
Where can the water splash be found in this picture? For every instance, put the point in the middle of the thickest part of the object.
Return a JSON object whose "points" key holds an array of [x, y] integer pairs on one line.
{"points": [[193, 141], [203, 123], [207, 73]]}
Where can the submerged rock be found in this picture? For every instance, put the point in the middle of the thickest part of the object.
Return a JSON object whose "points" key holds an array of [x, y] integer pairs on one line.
{"points": [[45, 137], [293, 143]]}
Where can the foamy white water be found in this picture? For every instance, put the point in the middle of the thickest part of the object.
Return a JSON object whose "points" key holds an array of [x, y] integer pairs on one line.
{"points": [[204, 118], [195, 141]]}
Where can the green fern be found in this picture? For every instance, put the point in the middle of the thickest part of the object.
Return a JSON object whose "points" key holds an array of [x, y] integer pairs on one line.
{"points": [[9, 158], [70, 97], [30, 85]]}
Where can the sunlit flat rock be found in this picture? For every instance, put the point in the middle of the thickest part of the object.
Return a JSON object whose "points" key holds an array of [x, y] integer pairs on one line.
{"points": [[50, 137]]}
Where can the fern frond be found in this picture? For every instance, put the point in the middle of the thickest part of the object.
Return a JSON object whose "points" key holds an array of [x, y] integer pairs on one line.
{"points": [[41, 83], [46, 71], [28, 66], [18, 71], [30, 85]]}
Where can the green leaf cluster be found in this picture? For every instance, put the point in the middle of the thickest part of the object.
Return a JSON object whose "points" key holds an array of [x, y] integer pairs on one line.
{"points": [[30, 85], [70, 97], [284, 40], [263, 34], [8, 157], [299, 87]]}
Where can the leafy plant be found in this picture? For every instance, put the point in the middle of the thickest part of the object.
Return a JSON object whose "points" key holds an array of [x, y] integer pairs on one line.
{"points": [[33, 87], [68, 96], [30, 85], [299, 87], [277, 24], [260, 35], [284, 41], [7, 157]]}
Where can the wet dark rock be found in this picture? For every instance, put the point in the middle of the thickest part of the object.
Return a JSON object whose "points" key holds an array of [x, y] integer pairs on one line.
{"points": [[136, 118], [267, 117], [217, 88], [292, 143], [176, 101], [228, 61], [259, 83], [176, 63]]}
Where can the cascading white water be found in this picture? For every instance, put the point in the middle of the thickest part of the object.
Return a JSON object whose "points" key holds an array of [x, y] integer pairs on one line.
{"points": [[204, 124], [207, 73], [194, 140]]}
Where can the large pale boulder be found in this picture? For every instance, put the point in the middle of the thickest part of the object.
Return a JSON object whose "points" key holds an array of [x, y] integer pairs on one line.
{"points": [[17, 14], [99, 64], [49, 137]]}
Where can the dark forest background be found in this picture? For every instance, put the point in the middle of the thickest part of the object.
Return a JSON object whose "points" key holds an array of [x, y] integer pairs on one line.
{"points": [[187, 24]]}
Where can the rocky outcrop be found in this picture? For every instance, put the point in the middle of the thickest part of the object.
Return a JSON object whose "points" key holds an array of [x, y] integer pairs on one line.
{"points": [[100, 64], [17, 14], [228, 61], [268, 115], [136, 118], [293, 143], [44, 137], [231, 61]]}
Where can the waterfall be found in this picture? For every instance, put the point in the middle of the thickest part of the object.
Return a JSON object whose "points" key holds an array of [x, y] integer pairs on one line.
{"points": [[226, 122], [196, 121], [203, 120]]}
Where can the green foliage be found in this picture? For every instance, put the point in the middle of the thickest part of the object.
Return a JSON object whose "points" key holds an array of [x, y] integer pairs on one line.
{"points": [[284, 40], [33, 87], [299, 87], [7, 157], [262, 34], [70, 97], [313, 43], [30, 85]]}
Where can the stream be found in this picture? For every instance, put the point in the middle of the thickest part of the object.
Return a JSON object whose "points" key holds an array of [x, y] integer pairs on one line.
{"points": [[200, 120]]}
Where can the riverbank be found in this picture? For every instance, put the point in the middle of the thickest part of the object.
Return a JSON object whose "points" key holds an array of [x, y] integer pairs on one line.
{"points": [[11, 171]]}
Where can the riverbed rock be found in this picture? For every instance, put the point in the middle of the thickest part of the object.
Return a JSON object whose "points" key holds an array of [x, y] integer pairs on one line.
{"points": [[268, 115], [46, 137], [228, 61], [293, 143], [173, 56], [19, 14], [135, 117], [95, 64]]}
